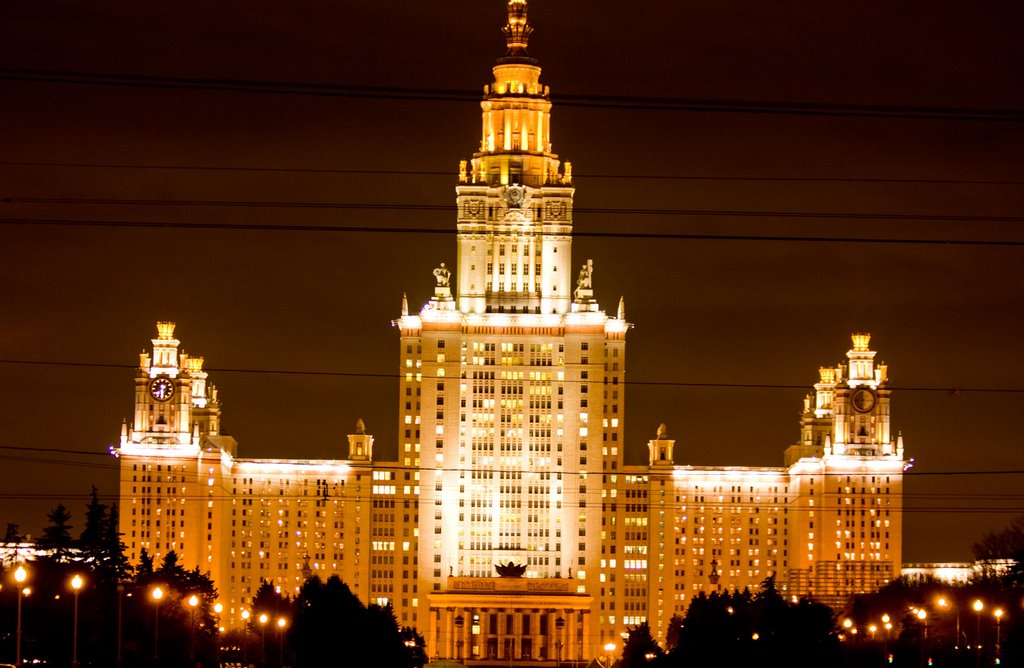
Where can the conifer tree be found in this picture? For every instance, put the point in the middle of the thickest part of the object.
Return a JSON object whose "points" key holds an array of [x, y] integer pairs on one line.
{"points": [[57, 536], [13, 533], [114, 566], [89, 542]]}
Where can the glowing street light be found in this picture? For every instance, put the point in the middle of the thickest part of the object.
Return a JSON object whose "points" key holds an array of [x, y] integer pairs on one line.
{"points": [[218, 608], [193, 602], [157, 594], [20, 577], [999, 618], [245, 637], [281, 624], [943, 602], [978, 607], [263, 619], [922, 615], [609, 648], [76, 585]]}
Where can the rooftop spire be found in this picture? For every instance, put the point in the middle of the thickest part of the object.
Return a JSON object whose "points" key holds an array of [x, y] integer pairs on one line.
{"points": [[517, 30]]}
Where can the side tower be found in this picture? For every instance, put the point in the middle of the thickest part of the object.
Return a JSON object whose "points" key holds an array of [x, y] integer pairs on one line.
{"points": [[847, 482], [511, 402], [174, 460]]}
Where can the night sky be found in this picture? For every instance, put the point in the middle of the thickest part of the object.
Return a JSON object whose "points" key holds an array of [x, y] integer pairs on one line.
{"points": [[732, 312]]}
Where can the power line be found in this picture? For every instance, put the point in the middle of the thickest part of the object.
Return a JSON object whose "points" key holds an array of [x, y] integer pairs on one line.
{"points": [[376, 375], [361, 229], [563, 100], [398, 466], [577, 174], [391, 206]]}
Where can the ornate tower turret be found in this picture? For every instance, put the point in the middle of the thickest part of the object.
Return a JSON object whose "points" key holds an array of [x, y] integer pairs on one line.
{"points": [[515, 207], [174, 406], [861, 404], [660, 448], [360, 444]]}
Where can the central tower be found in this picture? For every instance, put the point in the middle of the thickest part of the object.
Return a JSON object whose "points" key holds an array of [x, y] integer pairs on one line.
{"points": [[511, 399], [514, 203]]}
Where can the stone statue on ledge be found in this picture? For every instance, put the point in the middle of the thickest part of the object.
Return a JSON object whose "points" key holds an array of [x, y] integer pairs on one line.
{"points": [[442, 276]]}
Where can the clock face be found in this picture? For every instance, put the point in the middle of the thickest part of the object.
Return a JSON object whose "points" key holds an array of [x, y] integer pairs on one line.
{"points": [[863, 401], [161, 388]]}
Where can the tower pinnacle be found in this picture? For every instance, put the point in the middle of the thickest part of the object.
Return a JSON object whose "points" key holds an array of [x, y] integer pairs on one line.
{"points": [[517, 30]]}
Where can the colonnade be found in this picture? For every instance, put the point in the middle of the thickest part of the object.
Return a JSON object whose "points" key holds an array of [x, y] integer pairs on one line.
{"points": [[527, 633]]}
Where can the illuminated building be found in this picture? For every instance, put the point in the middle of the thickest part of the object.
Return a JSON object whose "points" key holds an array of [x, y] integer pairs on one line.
{"points": [[510, 452]]}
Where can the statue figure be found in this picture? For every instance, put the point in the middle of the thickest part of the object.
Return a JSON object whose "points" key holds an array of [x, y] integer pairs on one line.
{"points": [[442, 276], [585, 281]]}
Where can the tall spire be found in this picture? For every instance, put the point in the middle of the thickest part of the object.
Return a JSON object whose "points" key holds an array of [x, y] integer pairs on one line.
{"points": [[517, 30]]}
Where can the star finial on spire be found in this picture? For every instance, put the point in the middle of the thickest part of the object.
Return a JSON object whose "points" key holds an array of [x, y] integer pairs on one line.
{"points": [[517, 30]]}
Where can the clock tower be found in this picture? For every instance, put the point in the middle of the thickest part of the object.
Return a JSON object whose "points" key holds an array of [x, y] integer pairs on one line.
{"points": [[173, 407]]}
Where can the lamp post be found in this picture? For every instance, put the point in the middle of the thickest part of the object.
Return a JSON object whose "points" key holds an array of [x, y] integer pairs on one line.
{"points": [[263, 619], [943, 603], [609, 648], [20, 576], [193, 602], [157, 593], [76, 585], [978, 607], [281, 623], [999, 618], [218, 608], [888, 631], [922, 615], [245, 638]]}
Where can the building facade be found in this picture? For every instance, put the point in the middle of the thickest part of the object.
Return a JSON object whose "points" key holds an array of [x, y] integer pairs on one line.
{"points": [[509, 526]]}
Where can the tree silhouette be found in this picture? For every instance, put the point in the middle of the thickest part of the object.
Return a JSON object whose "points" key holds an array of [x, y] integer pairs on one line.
{"points": [[640, 647], [57, 535], [13, 533]]}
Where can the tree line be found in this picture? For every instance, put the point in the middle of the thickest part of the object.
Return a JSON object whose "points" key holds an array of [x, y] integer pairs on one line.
{"points": [[121, 623]]}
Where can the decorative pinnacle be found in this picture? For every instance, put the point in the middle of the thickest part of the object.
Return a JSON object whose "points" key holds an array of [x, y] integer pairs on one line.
{"points": [[861, 342], [165, 330], [517, 30]]}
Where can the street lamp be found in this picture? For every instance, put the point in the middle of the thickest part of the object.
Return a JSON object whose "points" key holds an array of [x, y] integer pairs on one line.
{"points": [[610, 649], [978, 607], [943, 603], [193, 601], [263, 619], [245, 637], [76, 585], [281, 623], [999, 618], [20, 576], [157, 593], [922, 615]]}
